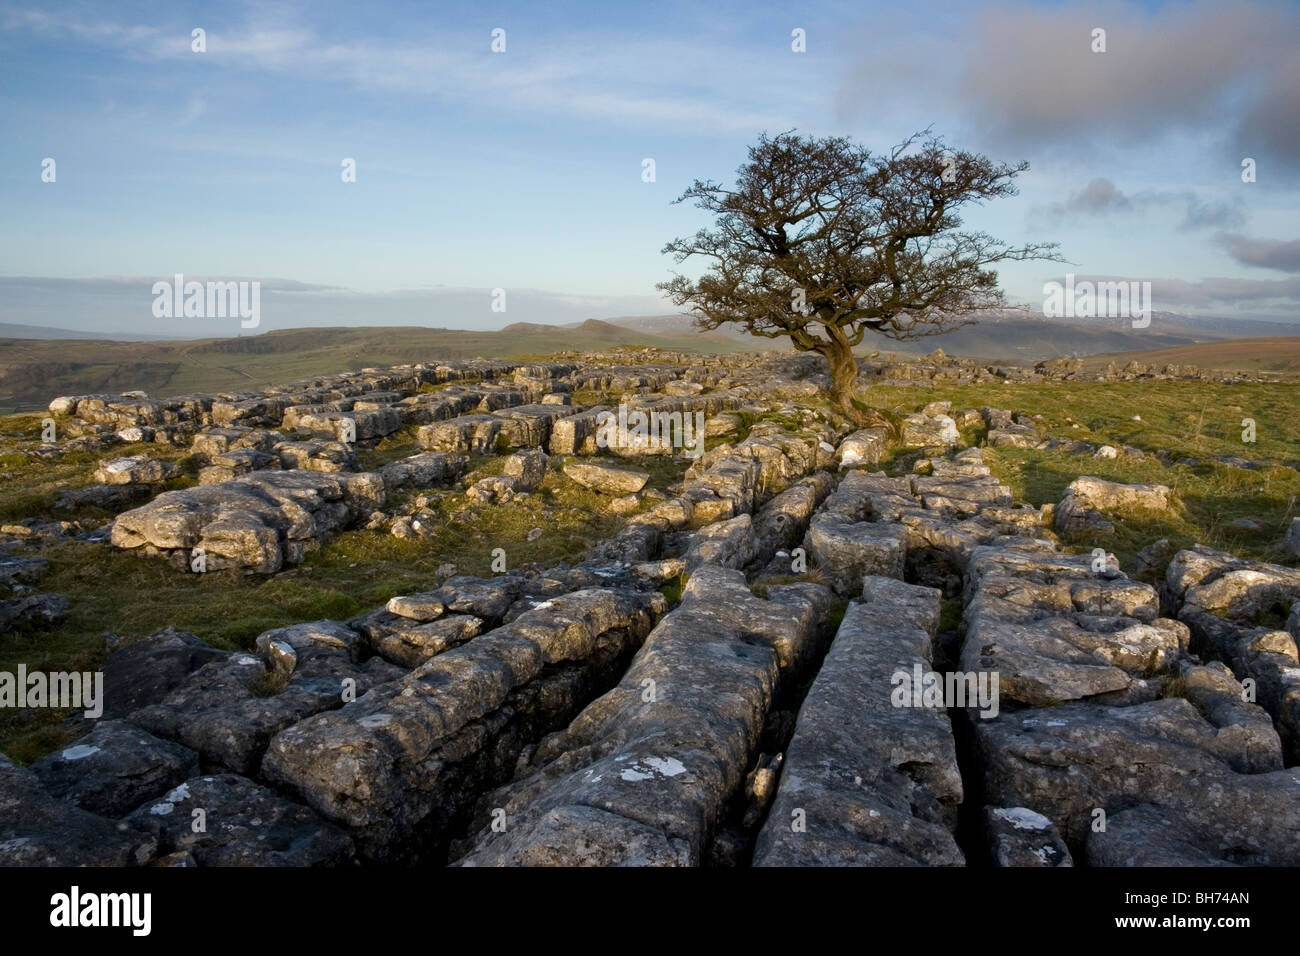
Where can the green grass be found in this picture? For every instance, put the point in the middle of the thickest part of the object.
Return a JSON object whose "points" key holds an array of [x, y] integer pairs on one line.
{"points": [[1188, 418], [675, 588], [29, 485], [1199, 420]]}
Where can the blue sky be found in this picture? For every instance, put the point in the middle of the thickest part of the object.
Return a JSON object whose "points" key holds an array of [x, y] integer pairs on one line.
{"points": [[522, 170]]}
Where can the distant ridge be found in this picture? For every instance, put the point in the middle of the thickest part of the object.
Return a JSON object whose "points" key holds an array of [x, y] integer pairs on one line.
{"points": [[1279, 354], [10, 330], [35, 370]]}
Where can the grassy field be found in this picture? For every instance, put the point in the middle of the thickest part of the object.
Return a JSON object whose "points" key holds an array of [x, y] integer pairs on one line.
{"points": [[1193, 420]]}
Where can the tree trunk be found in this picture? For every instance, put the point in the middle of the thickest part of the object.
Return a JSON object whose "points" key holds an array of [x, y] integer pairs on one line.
{"points": [[844, 376]]}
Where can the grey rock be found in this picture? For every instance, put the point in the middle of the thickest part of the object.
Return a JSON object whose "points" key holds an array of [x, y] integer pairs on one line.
{"points": [[660, 759], [18, 571], [864, 447], [38, 829], [243, 825], [605, 479], [32, 610], [1017, 836], [1291, 544], [1067, 761], [136, 470], [114, 768], [847, 550], [923, 431], [1148, 835], [262, 522], [1087, 500], [423, 471], [402, 763], [475, 434], [865, 782], [402, 641], [146, 671], [528, 468]]}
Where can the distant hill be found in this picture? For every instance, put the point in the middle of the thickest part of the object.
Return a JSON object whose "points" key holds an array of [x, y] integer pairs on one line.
{"points": [[1277, 354], [9, 330], [32, 371], [1022, 340], [1013, 335]]}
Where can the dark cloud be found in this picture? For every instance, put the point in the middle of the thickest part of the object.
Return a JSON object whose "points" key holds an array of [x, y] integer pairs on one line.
{"points": [[1270, 129], [1028, 80], [1102, 197], [1218, 292], [1216, 214], [1098, 196], [1264, 253]]}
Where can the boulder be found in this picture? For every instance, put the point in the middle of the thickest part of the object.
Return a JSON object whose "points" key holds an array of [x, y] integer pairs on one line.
{"points": [[115, 768], [135, 470], [473, 434], [405, 763], [605, 479], [36, 610], [922, 431], [146, 671], [1087, 502], [1017, 836], [847, 550], [864, 447], [1291, 544], [528, 468], [261, 522], [422, 471]]}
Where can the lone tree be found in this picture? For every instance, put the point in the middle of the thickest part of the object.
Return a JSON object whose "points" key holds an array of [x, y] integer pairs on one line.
{"points": [[822, 241]]}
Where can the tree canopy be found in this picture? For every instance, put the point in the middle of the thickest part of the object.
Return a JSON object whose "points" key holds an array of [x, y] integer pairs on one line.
{"points": [[822, 241]]}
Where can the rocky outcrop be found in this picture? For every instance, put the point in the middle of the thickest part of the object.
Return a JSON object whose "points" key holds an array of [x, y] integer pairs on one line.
{"points": [[1226, 601], [136, 470], [1057, 630], [1088, 501], [402, 765], [568, 716], [262, 522], [39, 829], [1105, 719], [642, 775], [865, 781], [604, 479], [226, 820], [115, 768]]}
